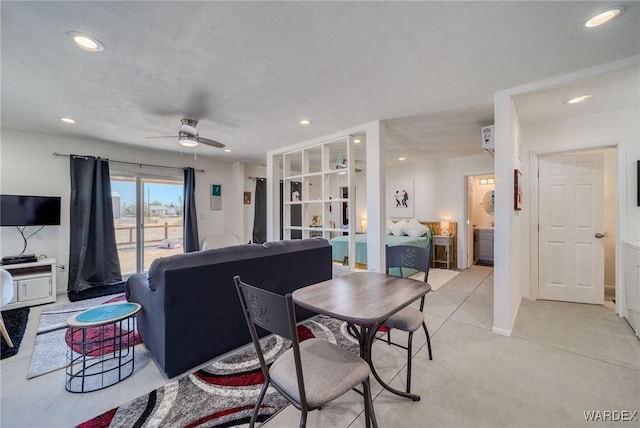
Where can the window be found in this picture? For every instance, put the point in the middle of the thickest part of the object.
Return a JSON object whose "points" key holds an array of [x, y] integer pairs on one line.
{"points": [[147, 215]]}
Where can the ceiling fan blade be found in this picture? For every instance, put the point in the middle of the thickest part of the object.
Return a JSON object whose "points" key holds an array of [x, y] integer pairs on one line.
{"points": [[163, 136], [209, 142]]}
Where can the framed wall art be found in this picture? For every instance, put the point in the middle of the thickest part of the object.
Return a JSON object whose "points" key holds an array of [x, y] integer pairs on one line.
{"points": [[517, 190], [216, 197], [400, 199]]}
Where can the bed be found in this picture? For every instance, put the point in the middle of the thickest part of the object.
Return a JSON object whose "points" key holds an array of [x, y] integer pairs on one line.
{"points": [[340, 247]]}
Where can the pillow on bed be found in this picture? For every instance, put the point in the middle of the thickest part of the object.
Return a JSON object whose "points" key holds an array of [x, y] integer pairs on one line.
{"points": [[397, 228], [389, 225], [415, 228]]}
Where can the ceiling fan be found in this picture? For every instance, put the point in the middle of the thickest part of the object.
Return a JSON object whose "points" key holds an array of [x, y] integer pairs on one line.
{"points": [[188, 135]]}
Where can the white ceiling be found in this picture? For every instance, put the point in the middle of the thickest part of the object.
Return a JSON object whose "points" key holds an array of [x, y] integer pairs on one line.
{"points": [[249, 71]]}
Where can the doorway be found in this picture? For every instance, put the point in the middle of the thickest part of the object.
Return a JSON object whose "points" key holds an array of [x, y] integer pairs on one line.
{"points": [[576, 227], [480, 197]]}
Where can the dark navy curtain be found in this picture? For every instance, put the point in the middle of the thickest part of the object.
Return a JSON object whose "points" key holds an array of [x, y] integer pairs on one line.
{"points": [[190, 219], [93, 256], [260, 213]]}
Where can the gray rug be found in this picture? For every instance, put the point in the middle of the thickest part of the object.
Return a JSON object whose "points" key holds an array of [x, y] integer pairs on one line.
{"points": [[222, 394], [50, 349]]}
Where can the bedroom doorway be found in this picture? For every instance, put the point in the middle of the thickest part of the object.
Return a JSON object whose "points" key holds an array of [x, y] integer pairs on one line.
{"points": [[480, 194]]}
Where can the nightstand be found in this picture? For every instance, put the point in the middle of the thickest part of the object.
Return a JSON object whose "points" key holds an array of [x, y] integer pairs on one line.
{"points": [[447, 243]]}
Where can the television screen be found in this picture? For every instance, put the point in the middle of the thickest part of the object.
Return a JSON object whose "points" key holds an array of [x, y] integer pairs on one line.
{"points": [[29, 210]]}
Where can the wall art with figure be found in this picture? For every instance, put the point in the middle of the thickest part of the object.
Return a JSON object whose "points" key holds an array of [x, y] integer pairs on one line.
{"points": [[400, 199]]}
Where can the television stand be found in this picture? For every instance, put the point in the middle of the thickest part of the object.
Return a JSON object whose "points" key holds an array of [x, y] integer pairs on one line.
{"points": [[34, 283]]}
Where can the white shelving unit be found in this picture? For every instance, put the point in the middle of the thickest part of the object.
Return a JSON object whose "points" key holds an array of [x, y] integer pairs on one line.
{"points": [[34, 283], [319, 189]]}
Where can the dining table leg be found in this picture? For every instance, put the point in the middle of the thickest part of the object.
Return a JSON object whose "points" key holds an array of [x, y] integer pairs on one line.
{"points": [[368, 334]]}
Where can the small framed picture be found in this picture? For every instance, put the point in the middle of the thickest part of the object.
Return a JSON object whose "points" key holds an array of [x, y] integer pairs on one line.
{"points": [[517, 190], [216, 197], [247, 198], [315, 221]]}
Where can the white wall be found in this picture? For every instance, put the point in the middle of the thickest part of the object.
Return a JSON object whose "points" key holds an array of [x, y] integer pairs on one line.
{"points": [[28, 167], [450, 194], [510, 256]]}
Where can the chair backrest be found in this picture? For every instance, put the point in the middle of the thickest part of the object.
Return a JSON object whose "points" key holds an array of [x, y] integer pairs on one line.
{"points": [[408, 257], [274, 313], [266, 309], [6, 286]]}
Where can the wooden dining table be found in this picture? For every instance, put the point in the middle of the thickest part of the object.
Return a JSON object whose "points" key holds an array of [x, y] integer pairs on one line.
{"points": [[364, 300]]}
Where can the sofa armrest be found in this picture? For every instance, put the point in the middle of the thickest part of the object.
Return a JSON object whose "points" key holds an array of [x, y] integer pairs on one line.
{"points": [[151, 319]]}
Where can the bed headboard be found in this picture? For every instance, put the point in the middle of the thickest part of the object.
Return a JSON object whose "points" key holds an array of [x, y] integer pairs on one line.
{"points": [[453, 232], [435, 227]]}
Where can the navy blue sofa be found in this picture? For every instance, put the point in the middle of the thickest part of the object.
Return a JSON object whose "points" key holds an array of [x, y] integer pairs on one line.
{"points": [[190, 308]]}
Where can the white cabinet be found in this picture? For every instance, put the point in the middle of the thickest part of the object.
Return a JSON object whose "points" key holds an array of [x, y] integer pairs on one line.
{"points": [[33, 283], [319, 189], [483, 238], [632, 284]]}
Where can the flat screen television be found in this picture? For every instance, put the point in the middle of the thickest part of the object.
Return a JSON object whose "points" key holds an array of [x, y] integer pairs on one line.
{"points": [[29, 210]]}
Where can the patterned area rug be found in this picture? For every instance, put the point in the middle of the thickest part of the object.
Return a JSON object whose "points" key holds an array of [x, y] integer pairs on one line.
{"points": [[94, 292], [222, 394], [50, 349], [15, 320]]}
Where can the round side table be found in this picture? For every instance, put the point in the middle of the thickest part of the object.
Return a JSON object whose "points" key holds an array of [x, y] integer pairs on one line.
{"points": [[100, 346]]}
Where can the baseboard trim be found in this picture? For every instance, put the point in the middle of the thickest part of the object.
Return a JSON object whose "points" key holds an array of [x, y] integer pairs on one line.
{"points": [[507, 332], [501, 331]]}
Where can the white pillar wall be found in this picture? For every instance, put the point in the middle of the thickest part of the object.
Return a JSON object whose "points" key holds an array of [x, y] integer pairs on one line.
{"points": [[376, 206]]}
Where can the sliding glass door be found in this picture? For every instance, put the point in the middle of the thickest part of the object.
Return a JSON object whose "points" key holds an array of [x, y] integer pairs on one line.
{"points": [[147, 214]]}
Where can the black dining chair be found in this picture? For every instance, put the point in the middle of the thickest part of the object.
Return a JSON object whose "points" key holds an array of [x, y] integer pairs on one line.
{"points": [[309, 374], [408, 319]]}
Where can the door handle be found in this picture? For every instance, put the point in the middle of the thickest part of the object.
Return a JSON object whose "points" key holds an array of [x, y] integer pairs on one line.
{"points": [[600, 235]]}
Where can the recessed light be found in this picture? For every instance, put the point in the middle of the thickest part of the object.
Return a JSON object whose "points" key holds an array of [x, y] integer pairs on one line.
{"points": [[86, 42], [68, 120], [578, 99], [357, 141], [305, 122], [227, 150], [401, 159], [604, 17]]}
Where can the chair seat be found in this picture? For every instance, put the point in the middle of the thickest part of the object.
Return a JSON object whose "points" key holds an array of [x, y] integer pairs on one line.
{"points": [[408, 319], [329, 371]]}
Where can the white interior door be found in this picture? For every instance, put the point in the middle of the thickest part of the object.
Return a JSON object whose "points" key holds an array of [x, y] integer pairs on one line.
{"points": [[571, 216], [470, 243]]}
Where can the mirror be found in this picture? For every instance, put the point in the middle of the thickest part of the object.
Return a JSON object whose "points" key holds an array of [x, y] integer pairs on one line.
{"points": [[488, 201]]}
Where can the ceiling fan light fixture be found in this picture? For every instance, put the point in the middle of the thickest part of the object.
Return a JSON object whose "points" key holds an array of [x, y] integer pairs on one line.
{"points": [[227, 150], [67, 120], [305, 122], [86, 42], [188, 142], [604, 16]]}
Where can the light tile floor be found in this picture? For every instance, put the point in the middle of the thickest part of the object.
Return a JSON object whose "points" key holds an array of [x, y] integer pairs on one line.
{"points": [[562, 360]]}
